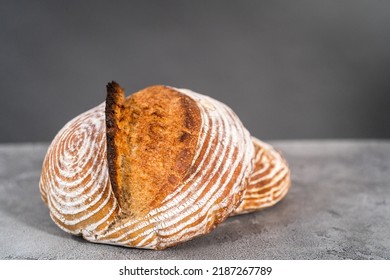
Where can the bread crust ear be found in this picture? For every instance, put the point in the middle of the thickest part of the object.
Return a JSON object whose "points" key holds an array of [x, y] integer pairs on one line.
{"points": [[114, 100]]}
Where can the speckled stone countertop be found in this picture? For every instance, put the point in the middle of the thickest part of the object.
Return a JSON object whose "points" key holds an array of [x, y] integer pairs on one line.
{"points": [[338, 208]]}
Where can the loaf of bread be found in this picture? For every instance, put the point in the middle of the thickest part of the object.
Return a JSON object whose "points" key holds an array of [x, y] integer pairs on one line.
{"points": [[157, 168]]}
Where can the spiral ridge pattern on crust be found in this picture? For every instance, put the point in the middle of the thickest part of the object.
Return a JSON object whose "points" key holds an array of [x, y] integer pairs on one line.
{"points": [[268, 183], [75, 185]]}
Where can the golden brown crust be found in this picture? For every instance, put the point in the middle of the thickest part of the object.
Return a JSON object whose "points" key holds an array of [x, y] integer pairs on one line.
{"points": [[151, 143]]}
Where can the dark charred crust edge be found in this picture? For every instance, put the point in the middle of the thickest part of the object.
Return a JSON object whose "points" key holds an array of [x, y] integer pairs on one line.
{"points": [[114, 95]]}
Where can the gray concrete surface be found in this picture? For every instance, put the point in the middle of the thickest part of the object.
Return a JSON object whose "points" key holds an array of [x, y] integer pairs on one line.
{"points": [[338, 208]]}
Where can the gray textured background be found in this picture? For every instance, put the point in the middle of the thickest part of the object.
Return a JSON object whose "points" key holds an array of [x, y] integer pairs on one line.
{"points": [[290, 69]]}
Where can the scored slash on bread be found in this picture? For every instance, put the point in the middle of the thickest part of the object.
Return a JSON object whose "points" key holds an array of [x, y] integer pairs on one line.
{"points": [[157, 168], [151, 139]]}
